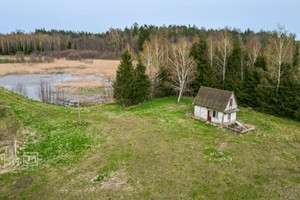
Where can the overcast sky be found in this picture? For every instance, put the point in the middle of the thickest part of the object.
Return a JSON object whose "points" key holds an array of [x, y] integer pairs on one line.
{"points": [[99, 16]]}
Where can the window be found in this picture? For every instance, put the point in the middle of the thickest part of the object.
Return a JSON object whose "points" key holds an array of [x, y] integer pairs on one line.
{"points": [[229, 116], [215, 114], [230, 104]]}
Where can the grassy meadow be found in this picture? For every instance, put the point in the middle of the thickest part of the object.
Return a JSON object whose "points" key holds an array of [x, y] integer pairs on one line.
{"points": [[148, 151]]}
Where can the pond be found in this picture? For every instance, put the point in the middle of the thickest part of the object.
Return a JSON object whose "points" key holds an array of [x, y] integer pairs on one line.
{"points": [[64, 89]]}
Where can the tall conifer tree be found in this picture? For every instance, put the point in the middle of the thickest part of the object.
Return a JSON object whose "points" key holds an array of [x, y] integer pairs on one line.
{"points": [[232, 80], [124, 86], [204, 73], [142, 90]]}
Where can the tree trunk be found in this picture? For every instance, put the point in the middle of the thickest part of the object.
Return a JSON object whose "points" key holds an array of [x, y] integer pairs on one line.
{"points": [[242, 68], [180, 94], [278, 78]]}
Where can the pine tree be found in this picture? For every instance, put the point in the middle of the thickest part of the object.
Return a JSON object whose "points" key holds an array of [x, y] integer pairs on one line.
{"points": [[204, 73], [124, 86], [142, 89]]}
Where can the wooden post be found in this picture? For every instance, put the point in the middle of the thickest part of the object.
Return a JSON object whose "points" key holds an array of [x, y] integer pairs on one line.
{"points": [[79, 113]]}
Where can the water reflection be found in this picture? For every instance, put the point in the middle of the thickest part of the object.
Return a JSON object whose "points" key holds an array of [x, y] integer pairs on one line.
{"points": [[44, 88]]}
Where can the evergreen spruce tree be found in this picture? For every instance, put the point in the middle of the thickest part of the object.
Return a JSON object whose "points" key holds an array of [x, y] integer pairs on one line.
{"points": [[233, 81], [286, 102], [251, 94], [261, 63], [162, 87], [288, 98], [142, 89], [125, 84], [204, 74], [234, 61], [144, 35]]}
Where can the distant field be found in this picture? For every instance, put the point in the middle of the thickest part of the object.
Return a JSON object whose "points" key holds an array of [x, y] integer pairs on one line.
{"points": [[149, 151], [90, 66]]}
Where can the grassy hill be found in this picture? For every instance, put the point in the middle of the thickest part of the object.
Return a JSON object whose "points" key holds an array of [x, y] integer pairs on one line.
{"points": [[149, 151]]}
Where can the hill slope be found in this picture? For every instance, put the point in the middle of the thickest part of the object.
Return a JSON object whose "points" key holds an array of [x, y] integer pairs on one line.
{"points": [[150, 151]]}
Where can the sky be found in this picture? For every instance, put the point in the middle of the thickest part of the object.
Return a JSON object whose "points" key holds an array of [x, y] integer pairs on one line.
{"points": [[98, 16]]}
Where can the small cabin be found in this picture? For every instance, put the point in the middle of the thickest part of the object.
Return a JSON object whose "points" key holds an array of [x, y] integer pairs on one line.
{"points": [[216, 106]]}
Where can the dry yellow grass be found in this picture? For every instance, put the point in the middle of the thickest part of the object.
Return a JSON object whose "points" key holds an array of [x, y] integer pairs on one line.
{"points": [[95, 67], [81, 85]]}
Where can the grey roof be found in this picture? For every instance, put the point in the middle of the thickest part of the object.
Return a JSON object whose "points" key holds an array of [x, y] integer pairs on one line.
{"points": [[212, 98]]}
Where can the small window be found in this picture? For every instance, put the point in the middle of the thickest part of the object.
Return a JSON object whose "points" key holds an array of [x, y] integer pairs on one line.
{"points": [[230, 104], [215, 114]]}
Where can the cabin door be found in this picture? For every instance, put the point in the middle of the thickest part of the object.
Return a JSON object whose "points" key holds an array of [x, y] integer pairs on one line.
{"points": [[209, 115]]}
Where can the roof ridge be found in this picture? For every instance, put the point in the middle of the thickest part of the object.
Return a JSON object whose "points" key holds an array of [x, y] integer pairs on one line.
{"points": [[217, 89]]}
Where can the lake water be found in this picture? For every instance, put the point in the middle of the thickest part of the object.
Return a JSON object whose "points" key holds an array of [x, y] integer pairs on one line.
{"points": [[32, 83]]}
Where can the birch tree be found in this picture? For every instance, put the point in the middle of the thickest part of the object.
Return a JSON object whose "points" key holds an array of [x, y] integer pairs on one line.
{"points": [[154, 56], [253, 49], [183, 66], [280, 55], [211, 47], [224, 50], [242, 58]]}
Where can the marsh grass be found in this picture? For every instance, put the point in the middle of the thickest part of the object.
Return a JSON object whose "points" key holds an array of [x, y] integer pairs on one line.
{"points": [[153, 151], [97, 67]]}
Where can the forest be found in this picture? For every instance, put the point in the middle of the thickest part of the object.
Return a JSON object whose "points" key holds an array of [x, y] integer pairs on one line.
{"points": [[262, 68]]}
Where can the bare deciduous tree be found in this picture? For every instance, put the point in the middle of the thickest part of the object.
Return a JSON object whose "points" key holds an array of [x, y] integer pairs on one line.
{"points": [[154, 57], [280, 54], [21, 90], [50, 93], [243, 54], [45, 91], [224, 48], [253, 48], [183, 66], [211, 47]]}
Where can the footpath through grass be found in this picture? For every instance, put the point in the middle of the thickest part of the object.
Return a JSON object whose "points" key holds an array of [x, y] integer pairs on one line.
{"points": [[150, 151]]}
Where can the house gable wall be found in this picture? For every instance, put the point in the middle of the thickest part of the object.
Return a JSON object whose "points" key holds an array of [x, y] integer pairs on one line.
{"points": [[232, 118], [234, 104]]}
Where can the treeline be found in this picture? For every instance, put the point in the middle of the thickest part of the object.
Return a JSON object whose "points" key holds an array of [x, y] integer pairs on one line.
{"points": [[109, 44]]}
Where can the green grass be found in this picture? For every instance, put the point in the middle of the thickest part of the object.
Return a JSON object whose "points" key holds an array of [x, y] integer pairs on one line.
{"points": [[151, 151], [99, 89], [3, 60]]}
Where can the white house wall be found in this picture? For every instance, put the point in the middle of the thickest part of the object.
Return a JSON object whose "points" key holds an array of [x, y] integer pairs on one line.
{"points": [[201, 112], [234, 104], [218, 119], [197, 111], [232, 118]]}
